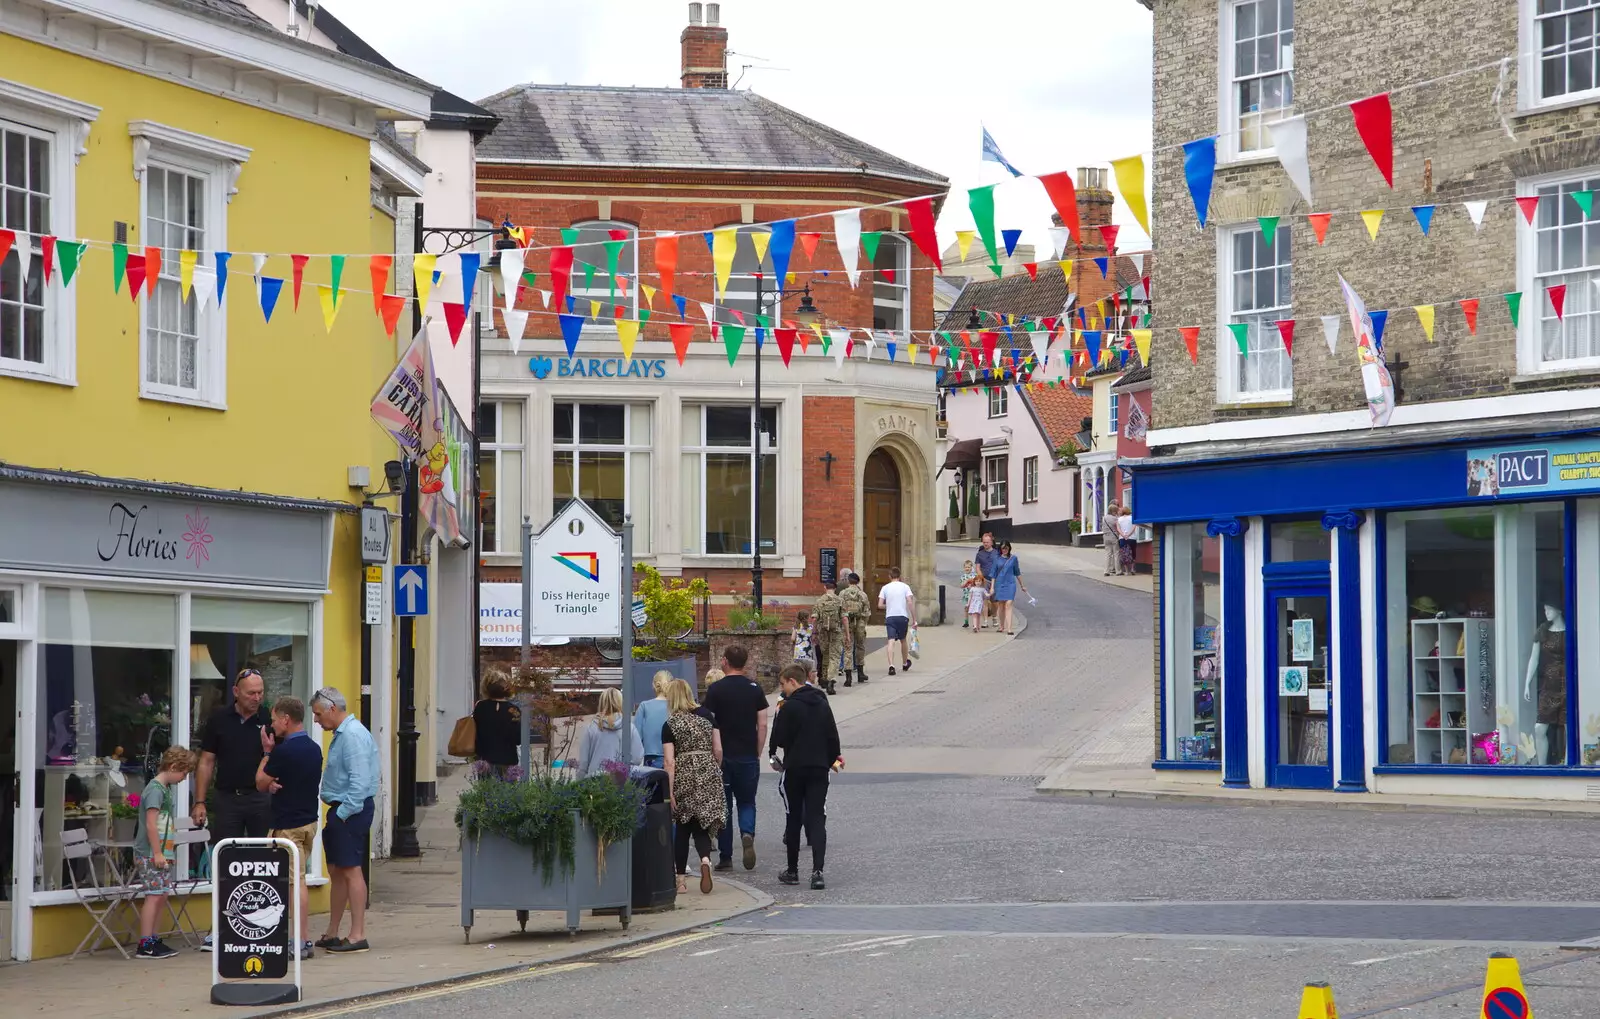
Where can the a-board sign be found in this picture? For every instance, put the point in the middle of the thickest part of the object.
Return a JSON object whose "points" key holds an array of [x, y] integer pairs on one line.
{"points": [[255, 893]]}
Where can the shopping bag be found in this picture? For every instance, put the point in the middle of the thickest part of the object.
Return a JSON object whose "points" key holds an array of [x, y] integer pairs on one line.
{"points": [[464, 738], [916, 647]]}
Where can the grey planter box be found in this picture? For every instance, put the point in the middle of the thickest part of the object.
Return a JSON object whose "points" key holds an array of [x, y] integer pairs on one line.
{"points": [[497, 873]]}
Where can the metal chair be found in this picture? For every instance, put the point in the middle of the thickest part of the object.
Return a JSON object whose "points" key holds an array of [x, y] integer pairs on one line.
{"points": [[187, 833], [105, 905]]}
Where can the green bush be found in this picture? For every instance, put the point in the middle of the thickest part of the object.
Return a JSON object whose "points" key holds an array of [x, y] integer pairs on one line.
{"points": [[972, 499], [538, 814], [669, 612]]}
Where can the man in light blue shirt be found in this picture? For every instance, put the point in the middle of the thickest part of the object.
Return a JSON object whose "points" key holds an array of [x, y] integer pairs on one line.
{"points": [[349, 783]]}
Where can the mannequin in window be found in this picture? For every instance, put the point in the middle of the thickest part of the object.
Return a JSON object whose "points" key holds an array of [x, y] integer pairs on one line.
{"points": [[1548, 662]]}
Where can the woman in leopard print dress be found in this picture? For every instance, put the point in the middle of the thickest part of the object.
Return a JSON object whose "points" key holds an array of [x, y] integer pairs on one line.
{"points": [[693, 750]]}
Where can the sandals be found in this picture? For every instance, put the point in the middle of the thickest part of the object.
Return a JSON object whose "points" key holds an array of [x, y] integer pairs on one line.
{"points": [[705, 876]]}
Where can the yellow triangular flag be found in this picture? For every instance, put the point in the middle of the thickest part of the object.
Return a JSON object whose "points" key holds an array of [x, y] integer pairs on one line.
{"points": [[724, 243], [789, 279], [1066, 271], [913, 353], [627, 333], [816, 327], [1130, 181], [1141, 342], [1372, 217], [1425, 316], [1317, 1003], [594, 309], [649, 295], [422, 276], [760, 238], [964, 242], [330, 310], [186, 260]]}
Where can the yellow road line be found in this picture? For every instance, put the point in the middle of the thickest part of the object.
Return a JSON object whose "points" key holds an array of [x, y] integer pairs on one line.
{"points": [[455, 988], [658, 946]]}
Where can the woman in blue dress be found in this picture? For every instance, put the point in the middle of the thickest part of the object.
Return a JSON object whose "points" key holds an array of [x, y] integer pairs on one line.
{"points": [[1003, 590]]}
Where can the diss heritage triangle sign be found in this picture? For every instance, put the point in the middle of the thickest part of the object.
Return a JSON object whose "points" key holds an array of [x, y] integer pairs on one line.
{"points": [[575, 563]]}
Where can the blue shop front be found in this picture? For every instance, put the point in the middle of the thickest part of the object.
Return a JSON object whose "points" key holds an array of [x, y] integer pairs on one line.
{"points": [[1404, 619]]}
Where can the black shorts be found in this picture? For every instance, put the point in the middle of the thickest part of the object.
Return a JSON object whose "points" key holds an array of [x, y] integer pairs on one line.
{"points": [[898, 627], [344, 841]]}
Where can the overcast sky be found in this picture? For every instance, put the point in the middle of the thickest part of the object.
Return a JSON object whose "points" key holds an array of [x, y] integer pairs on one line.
{"points": [[1059, 84]]}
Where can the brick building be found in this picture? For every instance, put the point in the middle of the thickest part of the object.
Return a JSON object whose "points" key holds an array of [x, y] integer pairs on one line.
{"points": [[1383, 607], [850, 441]]}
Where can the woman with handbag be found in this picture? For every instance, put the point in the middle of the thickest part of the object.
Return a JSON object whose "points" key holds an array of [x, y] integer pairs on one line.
{"points": [[497, 723]]}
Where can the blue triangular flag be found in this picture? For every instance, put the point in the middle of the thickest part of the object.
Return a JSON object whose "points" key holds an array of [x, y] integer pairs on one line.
{"points": [[220, 260], [1102, 264], [1122, 358], [1424, 214], [683, 306], [761, 337], [1011, 237], [270, 288], [1199, 169], [1083, 316], [1091, 342], [570, 304], [571, 328], [1379, 320], [710, 240], [781, 244], [470, 260], [891, 350]]}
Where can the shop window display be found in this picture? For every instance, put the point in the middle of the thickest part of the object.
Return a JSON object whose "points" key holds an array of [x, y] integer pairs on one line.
{"points": [[228, 636], [1195, 665]]}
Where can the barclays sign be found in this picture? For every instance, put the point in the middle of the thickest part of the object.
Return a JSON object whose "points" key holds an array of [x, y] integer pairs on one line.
{"points": [[597, 368]]}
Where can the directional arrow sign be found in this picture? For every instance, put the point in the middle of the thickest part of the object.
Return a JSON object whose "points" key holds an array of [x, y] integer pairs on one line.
{"points": [[410, 590]]}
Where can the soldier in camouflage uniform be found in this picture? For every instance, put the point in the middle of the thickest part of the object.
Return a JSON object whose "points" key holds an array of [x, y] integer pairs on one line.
{"points": [[828, 616], [857, 609]]}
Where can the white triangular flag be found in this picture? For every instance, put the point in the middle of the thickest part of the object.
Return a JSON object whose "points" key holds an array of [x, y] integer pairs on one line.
{"points": [[1138, 266], [1475, 212], [1330, 329], [1059, 236], [1289, 141], [1041, 348], [847, 234], [841, 340], [516, 325], [24, 249], [544, 295], [205, 287], [260, 262], [511, 273], [709, 312]]}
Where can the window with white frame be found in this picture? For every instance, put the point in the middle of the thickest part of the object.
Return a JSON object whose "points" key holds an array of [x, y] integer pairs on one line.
{"points": [[591, 268], [891, 284], [998, 398], [742, 282], [1030, 479], [716, 467], [1566, 251], [1258, 57], [1113, 431], [1566, 45], [602, 456], [995, 471], [1256, 282], [500, 475]]}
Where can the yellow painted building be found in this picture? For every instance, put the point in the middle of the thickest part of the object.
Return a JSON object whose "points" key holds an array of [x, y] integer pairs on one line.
{"points": [[178, 482]]}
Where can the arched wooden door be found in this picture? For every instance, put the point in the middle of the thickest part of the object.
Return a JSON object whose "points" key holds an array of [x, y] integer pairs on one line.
{"points": [[880, 514]]}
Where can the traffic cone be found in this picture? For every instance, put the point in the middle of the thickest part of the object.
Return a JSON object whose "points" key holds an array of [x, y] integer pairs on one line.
{"points": [[1316, 1002], [1504, 997]]}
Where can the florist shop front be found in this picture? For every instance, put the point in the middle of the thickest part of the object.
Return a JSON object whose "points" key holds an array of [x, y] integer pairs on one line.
{"points": [[1395, 618]]}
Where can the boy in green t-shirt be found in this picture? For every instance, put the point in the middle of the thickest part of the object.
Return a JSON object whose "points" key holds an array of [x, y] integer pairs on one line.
{"points": [[152, 848]]}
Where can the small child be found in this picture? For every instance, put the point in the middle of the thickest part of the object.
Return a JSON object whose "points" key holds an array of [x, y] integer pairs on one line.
{"points": [[975, 587], [805, 646], [968, 571], [153, 849]]}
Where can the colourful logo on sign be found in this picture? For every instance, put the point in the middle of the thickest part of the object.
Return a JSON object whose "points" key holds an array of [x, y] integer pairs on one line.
{"points": [[586, 564]]}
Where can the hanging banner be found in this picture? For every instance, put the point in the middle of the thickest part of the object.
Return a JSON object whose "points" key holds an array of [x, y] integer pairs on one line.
{"points": [[410, 407], [1375, 376]]}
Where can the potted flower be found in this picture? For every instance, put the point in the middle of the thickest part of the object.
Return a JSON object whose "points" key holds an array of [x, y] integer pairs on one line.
{"points": [[125, 819]]}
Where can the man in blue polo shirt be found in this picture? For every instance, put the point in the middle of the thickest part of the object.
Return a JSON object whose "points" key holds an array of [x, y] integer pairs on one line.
{"points": [[292, 772]]}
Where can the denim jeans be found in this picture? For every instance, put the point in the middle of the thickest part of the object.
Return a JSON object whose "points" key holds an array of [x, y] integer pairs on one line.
{"points": [[740, 776]]}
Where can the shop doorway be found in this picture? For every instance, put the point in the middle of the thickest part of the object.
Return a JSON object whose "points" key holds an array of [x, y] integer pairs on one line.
{"points": [[10, 787], [1299, 688], [880, 515]]}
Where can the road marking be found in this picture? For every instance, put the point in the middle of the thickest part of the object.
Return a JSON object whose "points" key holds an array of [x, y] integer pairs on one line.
{"points": [[896, 941], [453, 988], [709, 951], [659, 946], [1402, 955]]}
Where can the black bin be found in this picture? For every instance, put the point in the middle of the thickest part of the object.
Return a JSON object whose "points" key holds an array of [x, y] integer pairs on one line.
{"points": [[655, 884]]}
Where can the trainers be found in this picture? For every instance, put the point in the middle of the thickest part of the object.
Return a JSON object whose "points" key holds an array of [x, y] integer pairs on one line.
{"points": [[891, 670], [788, 877], [817, 884], [307, 951], [749, 850], [154, 948], [724, 864], [205, 943], [345, 947], [907, 666]]}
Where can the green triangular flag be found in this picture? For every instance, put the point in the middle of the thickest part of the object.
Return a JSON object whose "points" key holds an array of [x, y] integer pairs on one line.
{"points": [[1585, 200], [1269, 228], [764, 321], [998, 272], [733, 339], [1514, 305], [569, 235], [869, 244], [826, 342], [530, 278], [336, 264], [119, 266], [1241, 335], [613, 252], [981, 202], [644, 314], [68, 254], [588, 276]]}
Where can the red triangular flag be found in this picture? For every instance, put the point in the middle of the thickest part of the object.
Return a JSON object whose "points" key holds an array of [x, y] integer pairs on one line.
{"points": [[561, 272], [1529, 204], [1191, 339], [989, 340], [390, 306], [1469, 308], [1033, 269], [1286, 330], [455, 316], [48, 255], [299, 275], [888, 273], [808, 244], [136, 276], [1065, 198], [922, 234], [785, 338], [1319, 224], [7, 239], [1375, 125], [1558, 298], [379, 266], [152, 270], [618, 235], [682, 333], [1109, 232]]}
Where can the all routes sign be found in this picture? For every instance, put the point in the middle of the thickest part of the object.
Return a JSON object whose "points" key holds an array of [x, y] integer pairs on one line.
{"points": [[575, 563]]}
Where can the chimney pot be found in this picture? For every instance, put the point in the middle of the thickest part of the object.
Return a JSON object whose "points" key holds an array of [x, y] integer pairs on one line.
{"points": [[694, 13], [705, 46], [713, 14]]}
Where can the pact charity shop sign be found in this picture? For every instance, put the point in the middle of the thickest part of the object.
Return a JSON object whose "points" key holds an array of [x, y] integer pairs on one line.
{"points": [[575, 565]]}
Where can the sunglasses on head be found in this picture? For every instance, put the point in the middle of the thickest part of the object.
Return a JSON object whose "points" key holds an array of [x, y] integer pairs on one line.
{"points": [[245, 674]]}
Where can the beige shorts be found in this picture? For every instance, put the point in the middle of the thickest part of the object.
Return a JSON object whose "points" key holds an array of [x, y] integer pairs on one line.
{"points": [[302, 837]]}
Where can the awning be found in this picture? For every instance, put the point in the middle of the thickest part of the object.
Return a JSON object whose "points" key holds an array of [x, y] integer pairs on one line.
{"points": [[963, 454]]}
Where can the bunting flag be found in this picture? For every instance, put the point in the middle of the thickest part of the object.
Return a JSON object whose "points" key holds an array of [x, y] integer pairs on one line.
{"points": [[1286, 331], [649, 295], [136, 276], [1032, 269], [1104, 265], [1141, 343], [1425, 317], [1375, 124], [841, 346], [570, 235], [1289, 143], [260, 262], [1269, 228], [1091, 343], [911, 352], [785, 338], [1585, 201], [1191, 339], [186, 263], [516, 326], [1010, 238], [1469, 309], [8, 239], [1129, 172], [683, 305], [119, 261], [710, 313], [869, 245], [1375, 378], [627, 335], [1475, 212], [329, 299], [1372, 217], [782, 250], [47, 256], [422, 274], [544, 296], [760, 239], [24, 250], [710, 241], [808, 244], [732, 340], [268, 288], [1514, 307], [998, 272], [299, 274], [1330, 332], [1065, 198], [392, 305], [981, 202], [571, 329], [1200, 170], [682, 333], [989, 340], [847, 235], [964, 242], [1424, 214], [1319, 224], [1380, 319], [1529, 204], [378, 267], [336, 274], [1108, 233], [667, 260], [1241, 336], [71, 255], [1040, 342], [920, 213], [205, 284], [152, 269], [560, 273], [455, 316], [512, 262], [1558, 299]]}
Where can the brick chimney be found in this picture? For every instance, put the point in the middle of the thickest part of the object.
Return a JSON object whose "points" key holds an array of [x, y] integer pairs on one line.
{"points": [[705, 48], [1094, 199]]}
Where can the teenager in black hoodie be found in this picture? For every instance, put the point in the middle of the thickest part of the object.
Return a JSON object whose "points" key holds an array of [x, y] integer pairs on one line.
{"points": [[809, 738]]}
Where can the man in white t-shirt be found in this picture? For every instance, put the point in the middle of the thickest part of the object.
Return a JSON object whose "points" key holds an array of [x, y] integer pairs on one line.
{"points": [[899, 607]]}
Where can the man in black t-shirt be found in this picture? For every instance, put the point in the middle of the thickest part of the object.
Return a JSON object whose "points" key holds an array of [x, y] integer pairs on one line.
{"points": [[292, 774], [741, 717], [236, 738]]}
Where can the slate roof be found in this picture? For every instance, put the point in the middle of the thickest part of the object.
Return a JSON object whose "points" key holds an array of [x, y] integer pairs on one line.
{"points": [[709, 128], [1133, 377], [1020, 295], [228, 9]]}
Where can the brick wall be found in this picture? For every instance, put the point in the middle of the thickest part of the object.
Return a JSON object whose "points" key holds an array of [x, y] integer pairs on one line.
{"points": [[830, 507]]}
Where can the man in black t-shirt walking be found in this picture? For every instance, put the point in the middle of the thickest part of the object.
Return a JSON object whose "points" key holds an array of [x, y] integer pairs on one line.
{"points": [[292, 773], [740, 709]]}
